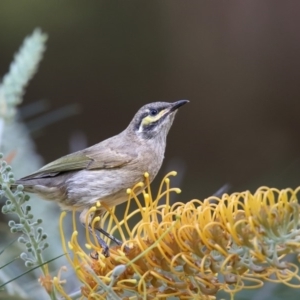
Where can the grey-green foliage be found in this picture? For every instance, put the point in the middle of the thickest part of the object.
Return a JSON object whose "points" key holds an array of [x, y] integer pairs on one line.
{"points": [[14, 137], [33, 235], [21, 70], [12, 87], [17, 145]]}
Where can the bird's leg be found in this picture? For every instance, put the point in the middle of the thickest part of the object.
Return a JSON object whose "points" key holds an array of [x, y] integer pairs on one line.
{"points": [[111, 237], [101, 242], [100, 213]]}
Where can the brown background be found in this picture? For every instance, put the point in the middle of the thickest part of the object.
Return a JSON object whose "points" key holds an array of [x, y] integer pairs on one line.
{"points": [[236, 61]]}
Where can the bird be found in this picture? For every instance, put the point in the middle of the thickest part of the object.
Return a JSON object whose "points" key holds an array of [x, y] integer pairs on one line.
{"points": [[104, 171]]}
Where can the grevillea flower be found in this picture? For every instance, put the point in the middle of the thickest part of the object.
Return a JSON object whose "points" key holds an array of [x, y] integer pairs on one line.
{"points": [[190, 250]]}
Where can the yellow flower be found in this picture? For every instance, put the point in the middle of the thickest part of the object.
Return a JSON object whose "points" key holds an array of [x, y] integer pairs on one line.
{"points": [[191, 250]]}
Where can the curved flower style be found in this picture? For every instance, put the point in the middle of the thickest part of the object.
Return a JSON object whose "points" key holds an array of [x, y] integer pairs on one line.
{"points": [[191, 250]]}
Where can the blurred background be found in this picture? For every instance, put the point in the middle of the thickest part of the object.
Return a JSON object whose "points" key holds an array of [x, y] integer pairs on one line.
{"points": [[236, 61]]}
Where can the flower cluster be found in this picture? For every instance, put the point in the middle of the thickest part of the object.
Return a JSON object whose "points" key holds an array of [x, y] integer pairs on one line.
{"points": [[190, 250]]}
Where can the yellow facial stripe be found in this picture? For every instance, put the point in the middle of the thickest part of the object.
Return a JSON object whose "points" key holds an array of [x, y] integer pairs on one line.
{"points": [[150, 119]]}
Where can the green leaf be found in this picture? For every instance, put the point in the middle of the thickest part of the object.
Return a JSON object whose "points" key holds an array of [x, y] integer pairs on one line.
{"points": [[9, 262], [1, 251], [17, 277]]}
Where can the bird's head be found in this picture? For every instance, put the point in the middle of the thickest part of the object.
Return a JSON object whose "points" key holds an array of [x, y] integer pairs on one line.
{"points": [[155, 119]]}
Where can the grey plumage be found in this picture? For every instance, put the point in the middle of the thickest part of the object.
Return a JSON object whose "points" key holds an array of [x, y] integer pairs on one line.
{"points": [[103, 172]]}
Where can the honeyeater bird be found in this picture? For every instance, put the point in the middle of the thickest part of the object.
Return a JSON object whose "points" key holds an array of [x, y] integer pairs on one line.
{"points": [[105, 171]]}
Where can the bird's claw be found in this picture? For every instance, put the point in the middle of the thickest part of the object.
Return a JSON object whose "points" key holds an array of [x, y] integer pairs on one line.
{"points": [[102, 243]]}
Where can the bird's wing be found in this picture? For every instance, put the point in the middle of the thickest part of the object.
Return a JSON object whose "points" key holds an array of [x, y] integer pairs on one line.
{"points": [[89, 159]]}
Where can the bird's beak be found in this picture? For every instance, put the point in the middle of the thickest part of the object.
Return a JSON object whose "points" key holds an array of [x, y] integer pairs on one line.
{"points": [[172, 108], [177, 104]]}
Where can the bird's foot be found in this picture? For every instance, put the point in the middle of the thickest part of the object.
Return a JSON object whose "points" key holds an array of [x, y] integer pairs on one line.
{"points": [[114, 239], [103, 245]]}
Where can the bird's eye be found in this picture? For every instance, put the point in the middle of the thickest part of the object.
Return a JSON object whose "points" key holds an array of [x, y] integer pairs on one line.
{"points": [[153, 112]]}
